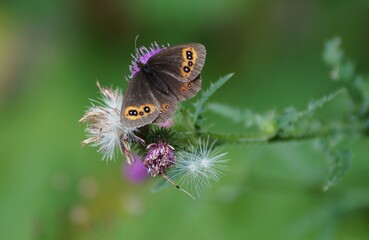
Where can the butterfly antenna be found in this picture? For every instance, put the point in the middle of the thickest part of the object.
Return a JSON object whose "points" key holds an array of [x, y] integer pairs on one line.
{"points": [[177, 186], [136, 50]]}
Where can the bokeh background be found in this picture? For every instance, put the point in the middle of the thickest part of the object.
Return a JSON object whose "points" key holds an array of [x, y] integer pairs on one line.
{"points": [[52, 52]]}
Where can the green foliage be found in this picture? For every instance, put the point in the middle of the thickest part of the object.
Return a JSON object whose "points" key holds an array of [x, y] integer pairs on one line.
{"points": [[251, 120], [183, 120], [154, 134], [343, 72], [291, 124], [199, 105], [273, 124], [339, 159], [159, 134], [288, 120], [342, 69]]}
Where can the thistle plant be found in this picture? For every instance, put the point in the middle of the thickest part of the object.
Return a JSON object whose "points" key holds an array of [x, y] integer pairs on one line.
{"points": [[104, 129], [190, 155]]}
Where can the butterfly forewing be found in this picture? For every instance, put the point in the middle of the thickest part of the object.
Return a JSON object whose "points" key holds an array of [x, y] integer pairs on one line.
{"points": [[168, 105], [140, 106], [184, 62]]}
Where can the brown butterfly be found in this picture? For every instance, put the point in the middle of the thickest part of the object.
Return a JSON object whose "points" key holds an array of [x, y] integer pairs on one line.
{"points": [[160, 78]]}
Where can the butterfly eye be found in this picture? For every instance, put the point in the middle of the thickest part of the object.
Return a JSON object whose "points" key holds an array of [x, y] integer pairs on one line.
{"points": [[146, 109], [189, 55], [186, 69], [132, 112]]}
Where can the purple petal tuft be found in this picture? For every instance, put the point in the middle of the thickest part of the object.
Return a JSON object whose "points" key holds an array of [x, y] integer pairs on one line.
{"points": [[143, 55], [160, 157]]}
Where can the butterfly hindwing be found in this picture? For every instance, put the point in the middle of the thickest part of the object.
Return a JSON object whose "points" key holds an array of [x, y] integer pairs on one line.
{"points": [[183, 62], [181, 90], [167, 103], [140, 106]]}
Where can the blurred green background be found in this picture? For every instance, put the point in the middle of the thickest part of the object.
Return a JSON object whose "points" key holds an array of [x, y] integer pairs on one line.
{"points": [[52, 52]]}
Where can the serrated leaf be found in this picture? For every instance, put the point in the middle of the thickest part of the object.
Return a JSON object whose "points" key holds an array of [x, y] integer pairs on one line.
{"points": [[271, 122], [339, 161], [343, 71], [183, 120], [333, 54], [232, 113], [318, 103], [199, 105], [347, 70], [291, 116], [339, 158], [264, 122]]}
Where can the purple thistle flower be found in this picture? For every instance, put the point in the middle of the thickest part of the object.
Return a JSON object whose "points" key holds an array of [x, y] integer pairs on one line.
{"points": [[136, 172], [160, 157], [143, 55]]}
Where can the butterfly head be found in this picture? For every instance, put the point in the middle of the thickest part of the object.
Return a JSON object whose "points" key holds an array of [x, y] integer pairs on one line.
{"points": [[140, 65]]}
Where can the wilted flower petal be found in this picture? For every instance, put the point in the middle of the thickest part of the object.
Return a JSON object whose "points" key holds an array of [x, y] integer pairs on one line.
{"points": [[104, 129]]}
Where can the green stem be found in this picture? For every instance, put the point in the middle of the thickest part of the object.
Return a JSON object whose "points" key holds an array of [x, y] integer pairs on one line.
{"points": [[279, 137]]}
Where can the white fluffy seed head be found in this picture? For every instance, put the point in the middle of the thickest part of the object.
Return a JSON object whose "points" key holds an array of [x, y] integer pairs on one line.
{"points": [[198, 165], [104, 129]]}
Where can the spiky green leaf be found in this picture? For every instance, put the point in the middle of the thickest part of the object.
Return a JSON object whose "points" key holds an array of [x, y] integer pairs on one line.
{"points": [[199, 105]]}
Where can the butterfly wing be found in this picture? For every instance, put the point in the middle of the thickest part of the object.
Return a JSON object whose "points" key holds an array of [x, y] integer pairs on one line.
{"points": [[178, 91], [181, 90], [168, 105], [183, 62], [147, 100], [140, 106]]}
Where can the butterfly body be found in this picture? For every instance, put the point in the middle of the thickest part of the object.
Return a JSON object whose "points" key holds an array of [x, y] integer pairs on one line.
{"points": [[159, 81]]}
